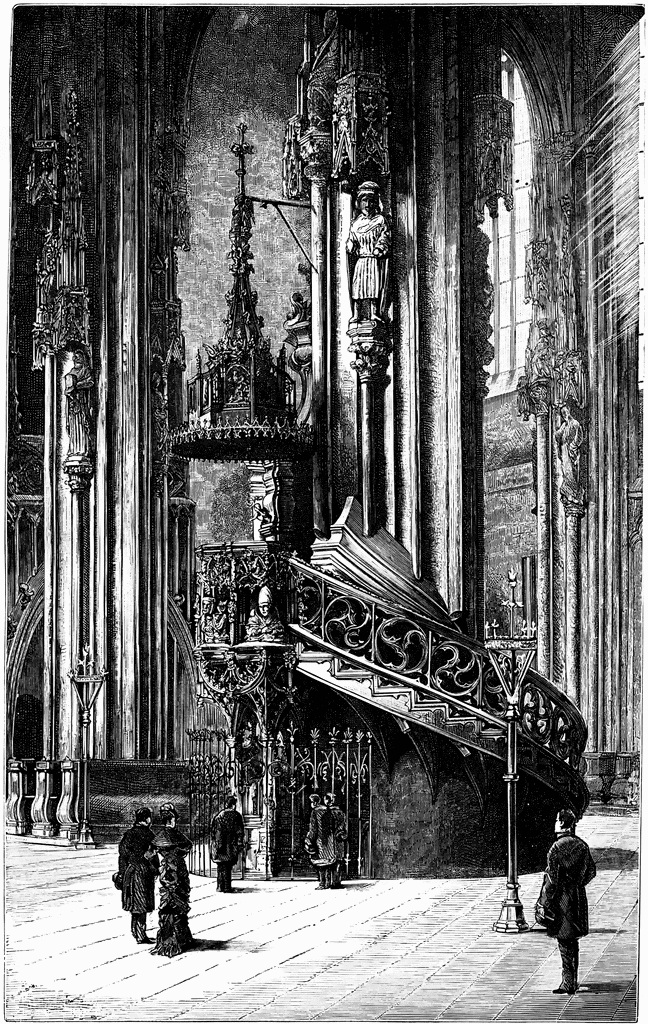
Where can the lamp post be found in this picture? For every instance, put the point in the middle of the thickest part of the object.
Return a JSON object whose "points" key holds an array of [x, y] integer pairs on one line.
{"points": [[511, 657], [87, 685]]}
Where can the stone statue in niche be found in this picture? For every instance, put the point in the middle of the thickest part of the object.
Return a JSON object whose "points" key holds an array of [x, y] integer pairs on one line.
{"points": [[569, 438], [214, 621], [78, 385], [264, 623], [368, 248], [324, 73]]}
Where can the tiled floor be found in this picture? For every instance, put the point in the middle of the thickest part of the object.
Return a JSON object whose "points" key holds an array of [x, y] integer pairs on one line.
{"points": [[410, 950]]}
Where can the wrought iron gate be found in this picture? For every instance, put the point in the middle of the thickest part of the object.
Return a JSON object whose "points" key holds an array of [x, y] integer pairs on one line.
{"points": [[273, 787], [211, 774], [337, 762]]}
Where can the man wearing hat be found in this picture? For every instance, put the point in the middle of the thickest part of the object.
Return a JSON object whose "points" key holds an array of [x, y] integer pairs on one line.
{"points": [[368, 247], [317, 808], [227, 841], [340, 836], [320, 843], [570, 868], [138, 868]]}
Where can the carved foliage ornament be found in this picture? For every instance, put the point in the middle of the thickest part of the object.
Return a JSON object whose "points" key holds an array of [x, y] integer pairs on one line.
{"points": [[482, 308], [493, 153], [291, 161], [552, 377], [360, 133], [537, 273], [316, 147]]}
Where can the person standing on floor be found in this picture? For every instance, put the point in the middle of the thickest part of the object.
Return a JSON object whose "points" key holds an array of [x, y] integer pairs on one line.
{"points": [[569, 869], [174, 935], [339, 836], [138, 868], [227, 842], [320, 843], [316, 805]]}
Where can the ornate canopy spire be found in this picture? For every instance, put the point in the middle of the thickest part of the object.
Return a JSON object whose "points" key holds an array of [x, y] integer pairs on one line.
{"points": [[242, 400], [243, 326]]}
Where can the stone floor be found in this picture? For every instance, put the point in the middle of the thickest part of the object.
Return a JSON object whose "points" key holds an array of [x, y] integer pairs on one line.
{"points": [[410, 950]]}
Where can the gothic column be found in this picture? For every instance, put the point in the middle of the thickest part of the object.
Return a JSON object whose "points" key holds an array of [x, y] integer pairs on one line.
{"points": [[78, 470], [190, 563], [370, 347], [316, 150], [34, 517], [574, 512], [16, 540], [45, 191], [544, 584], [554, 389], [175, 570], [486, 162]]}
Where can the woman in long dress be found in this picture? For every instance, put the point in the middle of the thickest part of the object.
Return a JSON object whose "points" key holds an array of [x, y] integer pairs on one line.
{"points": [[172, 845]]}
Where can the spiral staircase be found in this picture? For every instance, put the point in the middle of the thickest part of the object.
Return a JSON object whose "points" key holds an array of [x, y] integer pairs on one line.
{"points": [[363, 628]]}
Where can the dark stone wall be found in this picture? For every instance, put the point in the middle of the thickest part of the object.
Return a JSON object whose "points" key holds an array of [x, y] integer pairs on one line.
{"points": [[454, 834]]}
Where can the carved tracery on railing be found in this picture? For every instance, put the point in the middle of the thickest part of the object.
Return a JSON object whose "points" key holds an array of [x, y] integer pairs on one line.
{"points": [[450, 665]]}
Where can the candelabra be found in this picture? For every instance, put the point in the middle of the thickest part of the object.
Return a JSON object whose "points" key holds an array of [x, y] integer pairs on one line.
{"points": [[87, 685], [511, 657]]}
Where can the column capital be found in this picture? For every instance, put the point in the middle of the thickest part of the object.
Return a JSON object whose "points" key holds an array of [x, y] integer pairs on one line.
{"points": [[79, 471], [574, 507], [316, 148], [371, 347]]}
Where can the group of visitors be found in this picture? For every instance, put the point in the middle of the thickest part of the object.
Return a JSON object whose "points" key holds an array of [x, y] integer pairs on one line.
{"points": [[145, 854], [327, 833]]}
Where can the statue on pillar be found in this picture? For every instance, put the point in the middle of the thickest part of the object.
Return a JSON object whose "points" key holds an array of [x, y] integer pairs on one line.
{"points": [[324, 73], [569, 438], [264, 624], [368, 248], [78, 385]]}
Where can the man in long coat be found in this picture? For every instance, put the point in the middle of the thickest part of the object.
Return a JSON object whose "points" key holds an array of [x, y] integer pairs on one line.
{"points": [[138, 868], [227, 842], [569, 869], [340, 835], [325, 842]]}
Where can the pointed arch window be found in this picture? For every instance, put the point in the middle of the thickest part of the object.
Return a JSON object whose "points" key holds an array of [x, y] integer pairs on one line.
{"points": [[510, 234]]}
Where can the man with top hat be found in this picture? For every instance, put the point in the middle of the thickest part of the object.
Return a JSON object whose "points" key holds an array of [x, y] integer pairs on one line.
{"points": [[368, 247], [138, 868], [569, 869], [227, 834]]}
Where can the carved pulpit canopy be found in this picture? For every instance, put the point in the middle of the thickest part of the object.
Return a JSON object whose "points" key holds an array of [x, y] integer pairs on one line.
{"points": [[242, 399]]}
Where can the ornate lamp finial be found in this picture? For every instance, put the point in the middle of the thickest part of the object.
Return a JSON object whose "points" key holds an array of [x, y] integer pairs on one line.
{"points": [[240, 149]]}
